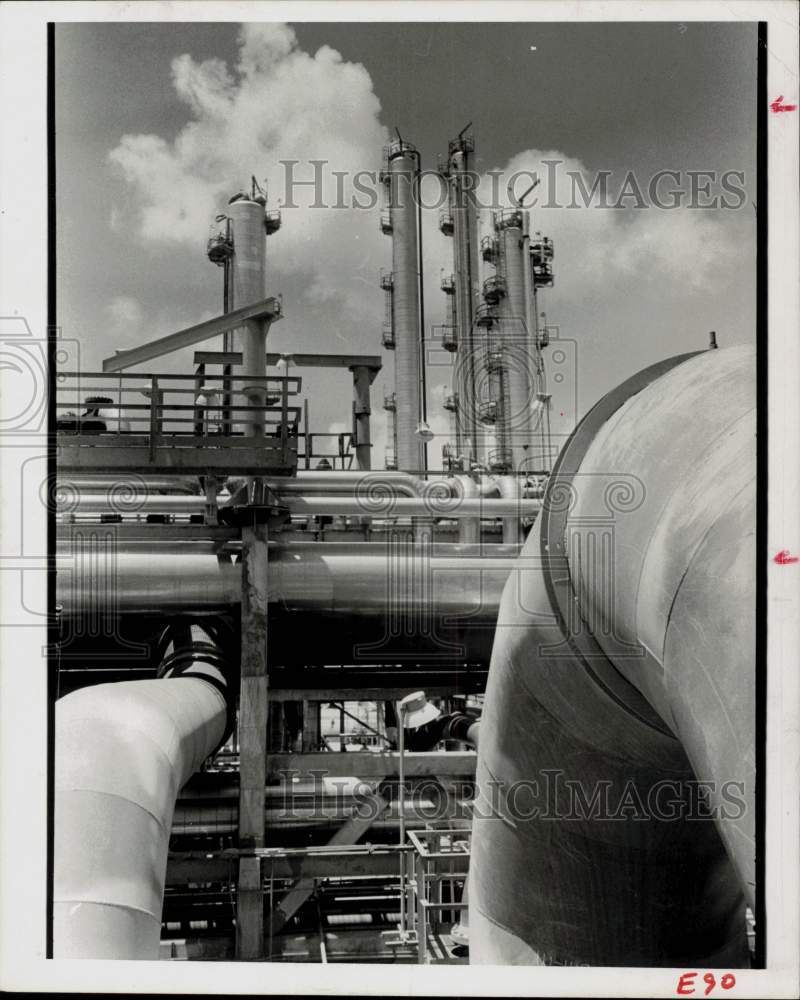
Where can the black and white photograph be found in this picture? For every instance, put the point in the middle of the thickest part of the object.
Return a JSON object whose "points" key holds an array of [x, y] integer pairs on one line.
{"points": [[400, 498]]}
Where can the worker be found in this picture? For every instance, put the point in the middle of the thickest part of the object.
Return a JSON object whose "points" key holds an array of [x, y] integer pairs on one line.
{"points": [[425, 725]]}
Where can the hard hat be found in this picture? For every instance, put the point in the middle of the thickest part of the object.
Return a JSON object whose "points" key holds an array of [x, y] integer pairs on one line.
{"points": [[416, 710]]}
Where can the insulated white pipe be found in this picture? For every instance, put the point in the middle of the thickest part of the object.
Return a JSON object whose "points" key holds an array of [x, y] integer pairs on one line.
{"points": [[123, 751]]}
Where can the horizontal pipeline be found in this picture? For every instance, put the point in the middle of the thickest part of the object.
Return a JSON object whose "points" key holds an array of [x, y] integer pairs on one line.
{"points": [[314, 506], [378, 579]]}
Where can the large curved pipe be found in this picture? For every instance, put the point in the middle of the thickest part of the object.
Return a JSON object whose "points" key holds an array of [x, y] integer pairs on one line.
{"points": [[123, 751], [622, 674]]}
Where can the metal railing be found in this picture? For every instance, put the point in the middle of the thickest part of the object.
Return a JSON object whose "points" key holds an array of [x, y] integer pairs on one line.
{"points": [[397, 147], [489, 249], [487, 412], [440, 866], [272, 221], [165, 411], [485, 315], [494, 288], [494, 361], [500, 460], [446, 222], [447, 335], [507, 218], [340, 459], [387, 336]]}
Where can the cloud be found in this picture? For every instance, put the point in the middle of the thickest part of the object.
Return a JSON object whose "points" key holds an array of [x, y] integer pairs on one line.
{"points": [[608, 248], [677, 271], [126, 317], [277, 104]]}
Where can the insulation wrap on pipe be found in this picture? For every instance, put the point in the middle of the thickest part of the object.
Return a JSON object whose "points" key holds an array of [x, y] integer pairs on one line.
{"points": [[123, 751], [622, 677]]}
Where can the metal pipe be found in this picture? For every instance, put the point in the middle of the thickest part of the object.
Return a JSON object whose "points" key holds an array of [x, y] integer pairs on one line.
{"points": [[330, 603], [423, 385], [509, 489], [361, 417], [623, 674], [469, 530], [377, 506], [365, 578], [124, 483], [343, 482], [123, 751]]}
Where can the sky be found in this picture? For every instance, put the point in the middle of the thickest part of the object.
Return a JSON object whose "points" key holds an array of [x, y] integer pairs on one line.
{"points": [[158, 124]]}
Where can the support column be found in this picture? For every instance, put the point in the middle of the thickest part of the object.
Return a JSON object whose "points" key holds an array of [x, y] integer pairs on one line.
{"points": [[310, 725], [361, 414], [252, 740]]}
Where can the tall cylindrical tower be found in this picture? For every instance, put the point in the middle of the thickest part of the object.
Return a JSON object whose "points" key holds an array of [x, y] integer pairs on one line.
{"points": [[402, 170], [250, 224], [463, 209], [517, 340]]}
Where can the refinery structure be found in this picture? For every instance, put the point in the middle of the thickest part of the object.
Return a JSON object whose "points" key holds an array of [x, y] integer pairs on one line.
{"points": [[448, 704]]}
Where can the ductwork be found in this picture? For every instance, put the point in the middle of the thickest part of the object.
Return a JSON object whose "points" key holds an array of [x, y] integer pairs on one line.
{"points": [[622, 674], [124, 751]]}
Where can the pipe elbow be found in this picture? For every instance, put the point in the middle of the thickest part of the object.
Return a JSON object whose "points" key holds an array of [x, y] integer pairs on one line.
{"points": [[124, 750]]}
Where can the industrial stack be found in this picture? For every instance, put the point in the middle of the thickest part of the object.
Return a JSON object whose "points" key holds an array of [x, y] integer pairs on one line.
{"points": [[400, 176]]}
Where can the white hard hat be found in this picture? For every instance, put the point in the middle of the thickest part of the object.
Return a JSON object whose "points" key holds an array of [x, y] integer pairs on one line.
{"points": [[416, 710]]}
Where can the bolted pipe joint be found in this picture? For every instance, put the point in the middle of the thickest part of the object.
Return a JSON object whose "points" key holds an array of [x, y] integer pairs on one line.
{"points": [[208, 649]]}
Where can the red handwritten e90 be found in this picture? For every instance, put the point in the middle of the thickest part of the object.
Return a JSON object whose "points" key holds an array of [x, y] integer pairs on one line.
{"points": [[686, 983]]}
